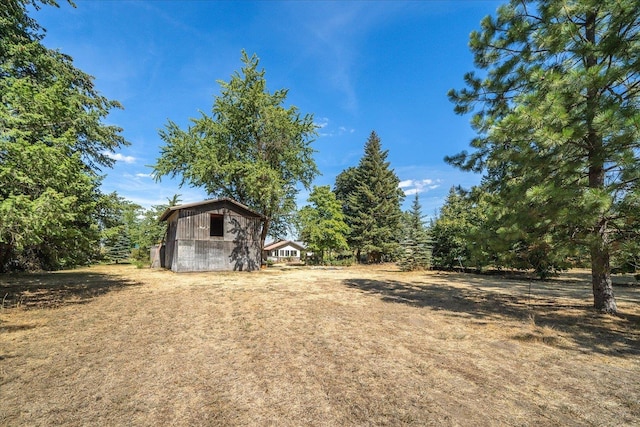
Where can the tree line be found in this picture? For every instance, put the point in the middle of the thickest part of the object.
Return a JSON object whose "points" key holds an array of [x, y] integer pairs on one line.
{"points": [[555, 104]]}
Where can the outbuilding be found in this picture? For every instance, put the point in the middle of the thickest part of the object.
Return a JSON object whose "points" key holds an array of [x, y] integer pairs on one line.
{"points": [[212, 235]]}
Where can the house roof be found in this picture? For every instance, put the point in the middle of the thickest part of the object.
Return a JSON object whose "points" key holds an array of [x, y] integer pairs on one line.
{"points": [[242, 207], [281, 243]]}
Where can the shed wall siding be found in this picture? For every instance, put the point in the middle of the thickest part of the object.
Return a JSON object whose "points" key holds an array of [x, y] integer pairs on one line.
{"points": [[171, 252], [193, 248]]}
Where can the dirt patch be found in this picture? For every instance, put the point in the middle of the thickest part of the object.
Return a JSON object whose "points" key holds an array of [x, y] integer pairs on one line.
{"points": [[297, 346]]}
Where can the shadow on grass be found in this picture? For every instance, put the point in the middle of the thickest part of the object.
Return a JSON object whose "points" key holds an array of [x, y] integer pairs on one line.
{"points": [[50, 290], [590, 330]]}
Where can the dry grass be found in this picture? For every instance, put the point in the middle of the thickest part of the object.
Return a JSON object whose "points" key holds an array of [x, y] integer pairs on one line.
{"points": [[115, 345]]}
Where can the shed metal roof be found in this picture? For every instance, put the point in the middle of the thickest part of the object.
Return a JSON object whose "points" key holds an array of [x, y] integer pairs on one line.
{"points": [[171, 209]]}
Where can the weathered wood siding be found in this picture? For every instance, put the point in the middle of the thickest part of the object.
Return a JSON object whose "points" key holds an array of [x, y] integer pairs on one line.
{"points": [[194, 249], [170, 252], [156, 255]]}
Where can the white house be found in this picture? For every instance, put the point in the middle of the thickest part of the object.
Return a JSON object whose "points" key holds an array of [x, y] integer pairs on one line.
{"points": [[284, 250]]}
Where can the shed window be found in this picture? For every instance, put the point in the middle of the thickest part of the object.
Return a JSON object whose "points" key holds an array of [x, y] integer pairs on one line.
{"points": [[216, 227]]}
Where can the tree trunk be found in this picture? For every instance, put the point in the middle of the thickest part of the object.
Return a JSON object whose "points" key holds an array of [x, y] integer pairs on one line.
{"points": [[5, 254], [603, 298], [263, 235]]}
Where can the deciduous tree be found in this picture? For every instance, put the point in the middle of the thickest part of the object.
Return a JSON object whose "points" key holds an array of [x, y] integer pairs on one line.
{"points": [[251, 148], [322, 225]]}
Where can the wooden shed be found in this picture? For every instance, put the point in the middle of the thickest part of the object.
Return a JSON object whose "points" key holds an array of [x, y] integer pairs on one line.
{"points": [[213, 235]]}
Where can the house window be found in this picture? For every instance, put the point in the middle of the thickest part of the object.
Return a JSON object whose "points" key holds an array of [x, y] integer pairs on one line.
{"points": [[216, 226], [294, 253]]}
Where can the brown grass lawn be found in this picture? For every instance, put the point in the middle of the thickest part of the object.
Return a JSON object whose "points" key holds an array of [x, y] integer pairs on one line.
{"points": [[116, 345]]}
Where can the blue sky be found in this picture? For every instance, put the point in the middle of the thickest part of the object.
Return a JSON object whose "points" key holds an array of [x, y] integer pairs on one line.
{"points": [[357, 66]]}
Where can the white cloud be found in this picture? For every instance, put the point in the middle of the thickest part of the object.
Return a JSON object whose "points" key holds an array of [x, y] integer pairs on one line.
{"points": [[331, 131], [419, 186], [120, 157], [322, 123], [143, 175], [343, 129]]}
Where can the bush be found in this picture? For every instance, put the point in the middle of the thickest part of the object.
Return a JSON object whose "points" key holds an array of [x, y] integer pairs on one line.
{"points": [[140, 255], [344, 262], [140, 264]]}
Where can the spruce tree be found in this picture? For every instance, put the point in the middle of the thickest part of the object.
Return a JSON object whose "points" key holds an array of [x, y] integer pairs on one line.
{"points": [[121, 250], [345, 185], [374, 205], [416, 244]]}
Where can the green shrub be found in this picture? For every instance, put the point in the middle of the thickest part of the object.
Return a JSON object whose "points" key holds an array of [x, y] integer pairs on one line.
{"points": [[140, 264], [140, 255], [344, 262]]}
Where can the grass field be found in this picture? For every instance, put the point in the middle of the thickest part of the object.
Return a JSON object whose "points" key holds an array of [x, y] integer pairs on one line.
{"points": [[116, 345]]}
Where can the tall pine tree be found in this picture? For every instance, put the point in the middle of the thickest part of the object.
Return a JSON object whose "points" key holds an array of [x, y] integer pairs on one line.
{"points": [[556, 113], [373, 206]]}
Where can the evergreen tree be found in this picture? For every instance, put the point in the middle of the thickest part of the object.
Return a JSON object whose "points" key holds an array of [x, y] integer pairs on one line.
{"points": [[473, 230], [120, 217], [345, 185], [416, 244], [450, 231], [557, 123], [322, 225], [121, 249], [52, 146], [374, 205]]}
